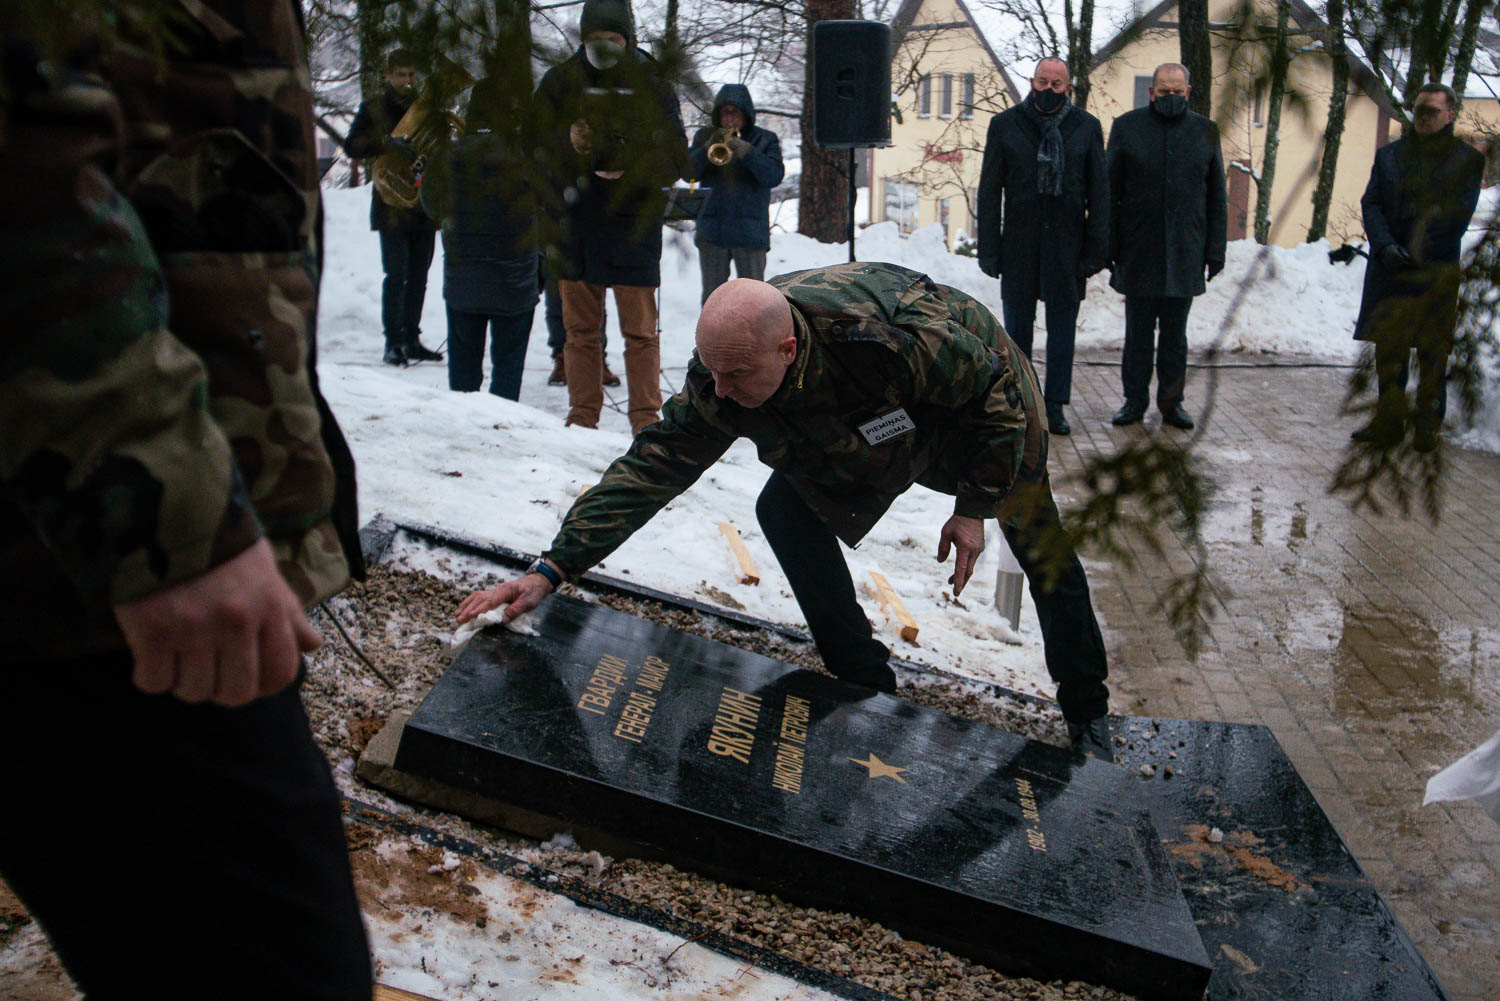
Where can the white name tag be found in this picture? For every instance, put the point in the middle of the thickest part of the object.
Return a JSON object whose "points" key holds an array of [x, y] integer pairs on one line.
{"points": [[887, 426]]}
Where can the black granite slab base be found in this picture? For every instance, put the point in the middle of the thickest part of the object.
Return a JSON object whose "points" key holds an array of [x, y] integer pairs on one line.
{"points": [[1025, 857]]}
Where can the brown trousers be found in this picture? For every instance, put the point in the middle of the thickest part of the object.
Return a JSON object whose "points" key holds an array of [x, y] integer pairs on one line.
{"points": [[583, 309]]}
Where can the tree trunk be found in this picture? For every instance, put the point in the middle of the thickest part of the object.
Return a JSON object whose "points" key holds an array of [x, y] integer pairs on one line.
{"points": [[1279, 61], [1338, 57], [823, 199], [1468, 40], [1080, 49], [1197, 53]]}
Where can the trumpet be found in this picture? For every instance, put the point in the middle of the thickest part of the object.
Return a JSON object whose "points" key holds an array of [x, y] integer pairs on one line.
{"points": [[719, 151]]}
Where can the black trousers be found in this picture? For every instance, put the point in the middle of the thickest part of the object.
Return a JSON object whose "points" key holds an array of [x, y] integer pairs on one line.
{"points": [[405, 257], [1142, 313], [509, 335], [195, 849], [809, 555]]}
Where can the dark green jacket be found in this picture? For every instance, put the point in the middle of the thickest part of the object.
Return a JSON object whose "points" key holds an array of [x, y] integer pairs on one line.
{"points": [[872, 339]]}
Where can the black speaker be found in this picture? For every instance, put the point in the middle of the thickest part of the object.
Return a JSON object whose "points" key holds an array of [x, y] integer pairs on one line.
{"points": [[851, 67]]}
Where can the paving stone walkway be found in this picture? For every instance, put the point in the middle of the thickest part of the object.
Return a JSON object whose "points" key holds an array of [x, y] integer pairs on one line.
{"points": [[1368, 644]]}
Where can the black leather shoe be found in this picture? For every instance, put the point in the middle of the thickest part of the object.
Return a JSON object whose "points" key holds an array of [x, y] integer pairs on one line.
{"points": [[416, 352], [1092, 738], [1128, 414], [395, 355], [1178, 418], [1057, 423]]}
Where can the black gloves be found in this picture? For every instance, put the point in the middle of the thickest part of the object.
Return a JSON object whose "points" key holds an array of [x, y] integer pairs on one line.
{"points": [[1214, 267], [990, 266], [1089, 268], [1394, 257]]}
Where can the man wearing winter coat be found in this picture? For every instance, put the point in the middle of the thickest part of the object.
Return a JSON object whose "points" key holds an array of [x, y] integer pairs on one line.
{"points": [[854, 382], [1167, 228], [1422, 192], [1044, 219], [736, 223], [173, 494], [406, 235], [616, 143]]}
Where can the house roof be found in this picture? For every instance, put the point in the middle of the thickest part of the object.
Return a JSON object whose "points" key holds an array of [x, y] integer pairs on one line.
{"points": [[1305, 18], [907, 14]]}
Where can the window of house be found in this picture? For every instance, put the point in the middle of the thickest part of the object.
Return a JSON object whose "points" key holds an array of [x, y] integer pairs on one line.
{"points": [[1142, 90], [924, 95], [943, 207], [1260, 92], [901, 203], [966, 109], [973, 207], [945, 109]]}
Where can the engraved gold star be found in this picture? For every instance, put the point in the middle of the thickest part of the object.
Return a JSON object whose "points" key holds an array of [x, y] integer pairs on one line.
{"points": [[879, 769]]}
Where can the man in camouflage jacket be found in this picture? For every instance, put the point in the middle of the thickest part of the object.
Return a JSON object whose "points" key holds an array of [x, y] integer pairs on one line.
{"points": [[169, 501], [854, 382]]}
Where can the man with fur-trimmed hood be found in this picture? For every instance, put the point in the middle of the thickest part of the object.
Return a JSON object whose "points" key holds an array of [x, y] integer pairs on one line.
{"points": [[735, 224]]}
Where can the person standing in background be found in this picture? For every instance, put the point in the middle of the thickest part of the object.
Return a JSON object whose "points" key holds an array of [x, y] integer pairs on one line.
{"points": [[1044, 220], [735, 224], [1168, 226], [406, 235]]}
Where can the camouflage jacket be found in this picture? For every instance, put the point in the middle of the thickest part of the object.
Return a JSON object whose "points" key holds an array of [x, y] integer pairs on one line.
{"points": [[157, 408], [879, 347]]}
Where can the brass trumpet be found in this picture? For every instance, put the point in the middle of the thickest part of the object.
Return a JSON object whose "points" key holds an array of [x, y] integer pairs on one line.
{"points": [[719, 151]]}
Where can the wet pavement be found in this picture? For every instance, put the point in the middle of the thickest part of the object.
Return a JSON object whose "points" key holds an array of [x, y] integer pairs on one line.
{"points": [[1368, 644]]}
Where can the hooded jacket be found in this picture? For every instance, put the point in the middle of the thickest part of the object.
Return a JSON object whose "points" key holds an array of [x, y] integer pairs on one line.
{"points": [[608, 231], [738, 213], [875, 342]]}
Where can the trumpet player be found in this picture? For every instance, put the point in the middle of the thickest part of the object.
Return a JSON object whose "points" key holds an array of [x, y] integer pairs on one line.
{"points": [[741, 162]]}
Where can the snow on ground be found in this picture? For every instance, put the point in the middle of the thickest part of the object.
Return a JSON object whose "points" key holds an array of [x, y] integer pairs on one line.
{"points": [[502, 471]]}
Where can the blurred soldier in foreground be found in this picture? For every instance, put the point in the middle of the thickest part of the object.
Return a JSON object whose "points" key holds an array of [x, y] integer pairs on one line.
{"points": [[169, 505], [1167, 231], [854, 382], [1422, 191]]}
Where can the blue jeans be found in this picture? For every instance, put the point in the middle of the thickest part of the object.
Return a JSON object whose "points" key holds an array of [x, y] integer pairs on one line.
{"points": [[1062, 322], [405, 258], [509, 335]]}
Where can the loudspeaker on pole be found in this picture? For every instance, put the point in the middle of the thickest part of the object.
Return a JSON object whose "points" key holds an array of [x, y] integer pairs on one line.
{"points": [[851, 67]]}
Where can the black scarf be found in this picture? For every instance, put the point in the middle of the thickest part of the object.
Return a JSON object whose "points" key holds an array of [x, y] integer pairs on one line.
{"points": [[1049, 152]]}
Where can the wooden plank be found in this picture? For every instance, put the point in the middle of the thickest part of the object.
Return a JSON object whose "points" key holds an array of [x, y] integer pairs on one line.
{"points": [[384, 993], [888, 597], [748, 573]]}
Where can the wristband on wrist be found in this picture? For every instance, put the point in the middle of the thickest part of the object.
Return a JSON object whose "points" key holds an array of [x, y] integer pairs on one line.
{"points": [[545, 569]]}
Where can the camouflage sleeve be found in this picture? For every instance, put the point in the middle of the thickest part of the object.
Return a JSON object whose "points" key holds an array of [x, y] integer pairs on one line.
{"points": [[956, 365], [663, 461], [107, 446]]}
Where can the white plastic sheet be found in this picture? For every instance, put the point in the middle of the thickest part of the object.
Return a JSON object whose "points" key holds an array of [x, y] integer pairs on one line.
{"points": [[1474, 776]]}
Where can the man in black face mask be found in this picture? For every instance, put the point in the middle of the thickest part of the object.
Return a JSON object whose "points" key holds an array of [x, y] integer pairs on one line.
{"points": [[1044, 220], [1167, 231], [1422, 191]]}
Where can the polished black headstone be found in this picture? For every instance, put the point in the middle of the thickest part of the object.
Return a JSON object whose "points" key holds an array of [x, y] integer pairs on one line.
{"points": [[1018, 854]]}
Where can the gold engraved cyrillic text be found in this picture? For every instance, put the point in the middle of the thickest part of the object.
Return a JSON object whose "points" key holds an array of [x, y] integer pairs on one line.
{"points": [[1034, 836], [607, 679], [733, 733], [640, 704], [790, 755]]}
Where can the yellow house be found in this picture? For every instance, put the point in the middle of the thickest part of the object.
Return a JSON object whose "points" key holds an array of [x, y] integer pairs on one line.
{"points": [[947, 84], [1122, 72]]}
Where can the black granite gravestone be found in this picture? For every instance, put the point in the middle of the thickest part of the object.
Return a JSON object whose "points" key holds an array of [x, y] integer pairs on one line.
{"points": [[1018, 854]]}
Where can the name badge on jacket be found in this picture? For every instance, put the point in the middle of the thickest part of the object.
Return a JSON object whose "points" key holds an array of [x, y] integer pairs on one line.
{"points": [[887, 426]]}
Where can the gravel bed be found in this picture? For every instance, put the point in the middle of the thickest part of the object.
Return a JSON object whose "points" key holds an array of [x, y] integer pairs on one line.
{"points": [[401, 620]]}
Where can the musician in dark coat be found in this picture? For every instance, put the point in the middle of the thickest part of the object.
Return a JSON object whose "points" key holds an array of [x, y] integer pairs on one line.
{"points": [[1422, 192], [1168, 225], [406, 235], [1044, 219]]}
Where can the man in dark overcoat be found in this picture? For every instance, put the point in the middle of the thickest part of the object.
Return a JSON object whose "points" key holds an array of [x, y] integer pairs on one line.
{"points": [[735, 225], [1167, 227], [406, 235], [1044, 219], [616, 143], [1422, 192]]}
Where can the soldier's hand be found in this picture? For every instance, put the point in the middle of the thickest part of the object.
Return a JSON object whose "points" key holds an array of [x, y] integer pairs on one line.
{"points": [[228, 636], [522, 595], [966, 535]]}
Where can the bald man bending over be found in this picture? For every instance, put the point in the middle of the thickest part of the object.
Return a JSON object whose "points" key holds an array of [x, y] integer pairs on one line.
{"points": [[854, 382]]}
